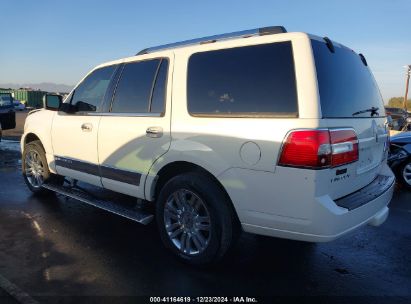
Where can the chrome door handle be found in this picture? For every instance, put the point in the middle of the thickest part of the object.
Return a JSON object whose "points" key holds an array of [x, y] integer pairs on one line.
{"points": [[154, 132], [86, 127]]}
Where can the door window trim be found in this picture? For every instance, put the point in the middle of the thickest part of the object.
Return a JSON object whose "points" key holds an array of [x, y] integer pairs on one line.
{"points": [[148, 114], [103, 100]]}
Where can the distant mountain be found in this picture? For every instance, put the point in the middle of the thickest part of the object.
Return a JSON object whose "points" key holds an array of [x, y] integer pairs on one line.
{"points": [[44, 86]]}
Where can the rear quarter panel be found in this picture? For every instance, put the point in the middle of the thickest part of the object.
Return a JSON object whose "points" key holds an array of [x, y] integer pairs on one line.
{"points": [[220, 143]]}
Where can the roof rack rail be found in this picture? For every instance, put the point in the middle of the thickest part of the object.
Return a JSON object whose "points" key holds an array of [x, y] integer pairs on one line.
{"points": [[269, 30]]}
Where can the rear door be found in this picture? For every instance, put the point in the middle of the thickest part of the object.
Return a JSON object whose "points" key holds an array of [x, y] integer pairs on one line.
{"points": [[350, 98], [136, 129]]}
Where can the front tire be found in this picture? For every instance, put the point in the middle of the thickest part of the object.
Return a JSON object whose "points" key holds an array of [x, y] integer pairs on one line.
{"points": [[35, 168], [195, 219]]}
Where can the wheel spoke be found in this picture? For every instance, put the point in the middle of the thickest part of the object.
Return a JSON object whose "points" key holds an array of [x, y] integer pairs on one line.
{"points": [[29, 159], [29, 162], [34, 157], [38, 180], [203, 219], [28, 171], [171, 209], [172, 227], [188, 243], [203, 227], [170, 215], [178, 201], [199, 241], [195, 203], [183, 199], [176, 233], [183, 242]]}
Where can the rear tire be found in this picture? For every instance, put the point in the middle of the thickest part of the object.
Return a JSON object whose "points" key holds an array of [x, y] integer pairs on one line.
{"points": [[195, 219], [36, 170]]}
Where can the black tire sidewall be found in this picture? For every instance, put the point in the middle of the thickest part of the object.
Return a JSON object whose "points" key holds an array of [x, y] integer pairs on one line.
{"points": [[217, 206]]}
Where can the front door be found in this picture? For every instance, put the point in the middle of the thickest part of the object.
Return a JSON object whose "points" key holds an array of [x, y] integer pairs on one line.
{"points": [[136, 130], [74, 135]]}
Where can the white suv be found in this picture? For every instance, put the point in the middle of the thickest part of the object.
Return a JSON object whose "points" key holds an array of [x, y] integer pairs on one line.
{"points": [[274, 133]]}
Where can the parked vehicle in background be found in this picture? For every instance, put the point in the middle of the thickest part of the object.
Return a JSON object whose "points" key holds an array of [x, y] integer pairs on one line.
{"points": [[399, 117], [7, 113], [400, 157], [18, 105], [255, 115]]}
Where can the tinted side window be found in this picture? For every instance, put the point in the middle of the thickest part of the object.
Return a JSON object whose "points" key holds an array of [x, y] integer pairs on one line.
{"points": [[159, 91], [89, 94], [244, 81], [134, 88]]}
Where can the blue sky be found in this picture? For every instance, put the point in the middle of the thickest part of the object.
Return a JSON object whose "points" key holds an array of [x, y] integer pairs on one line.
{"points": [[59, 41]]}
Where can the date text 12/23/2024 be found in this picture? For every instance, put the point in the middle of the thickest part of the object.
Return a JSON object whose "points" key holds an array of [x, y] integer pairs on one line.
{"points": [[203, 300]]}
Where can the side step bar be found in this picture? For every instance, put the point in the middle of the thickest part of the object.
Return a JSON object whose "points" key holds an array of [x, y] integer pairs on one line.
{"points": [[132, 214]]}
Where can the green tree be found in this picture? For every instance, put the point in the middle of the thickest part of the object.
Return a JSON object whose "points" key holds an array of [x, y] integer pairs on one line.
{"points": [[398, 102]]}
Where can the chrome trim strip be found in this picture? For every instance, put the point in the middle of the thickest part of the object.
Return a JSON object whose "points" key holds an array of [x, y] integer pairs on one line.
{"points": [[116, 174], [121, 114]]}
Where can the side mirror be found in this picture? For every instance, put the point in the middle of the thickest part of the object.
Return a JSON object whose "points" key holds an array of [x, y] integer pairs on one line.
{"points": [[53, 102]]}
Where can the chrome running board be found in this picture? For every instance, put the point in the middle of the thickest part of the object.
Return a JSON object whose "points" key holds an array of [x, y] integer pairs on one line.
{"points": [[134, 214]]}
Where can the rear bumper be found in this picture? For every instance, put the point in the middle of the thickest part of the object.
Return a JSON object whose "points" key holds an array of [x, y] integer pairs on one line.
{"points": [[272, 205]]}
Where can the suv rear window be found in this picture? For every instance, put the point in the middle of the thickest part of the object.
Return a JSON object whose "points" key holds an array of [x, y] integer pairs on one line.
{"points": [[251, 80], [346, 85]]}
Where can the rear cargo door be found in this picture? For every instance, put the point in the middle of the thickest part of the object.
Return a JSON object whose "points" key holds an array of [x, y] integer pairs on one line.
{"points": [[350, 98]]}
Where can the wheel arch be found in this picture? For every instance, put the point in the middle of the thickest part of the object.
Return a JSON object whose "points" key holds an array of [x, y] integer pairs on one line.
{"points": [[30, 137], [175, 168]]}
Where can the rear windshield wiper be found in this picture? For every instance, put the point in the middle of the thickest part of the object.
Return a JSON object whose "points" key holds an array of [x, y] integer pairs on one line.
{"points": [[373, 111]]}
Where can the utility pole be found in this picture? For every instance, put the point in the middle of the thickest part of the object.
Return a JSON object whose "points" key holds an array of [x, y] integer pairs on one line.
{"points": [[407, 83]]}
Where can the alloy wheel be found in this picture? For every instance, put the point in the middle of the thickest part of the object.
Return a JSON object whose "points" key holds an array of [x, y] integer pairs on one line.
{"points": [[34, 169], [187, 222]]}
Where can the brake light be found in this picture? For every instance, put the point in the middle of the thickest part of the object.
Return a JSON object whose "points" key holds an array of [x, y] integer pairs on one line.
{"points": [[344, 146], [318, 149]]}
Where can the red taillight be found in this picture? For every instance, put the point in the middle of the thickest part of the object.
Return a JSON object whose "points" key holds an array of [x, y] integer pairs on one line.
{"points": [[319, 149], [306, 148], [344, 146]]}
